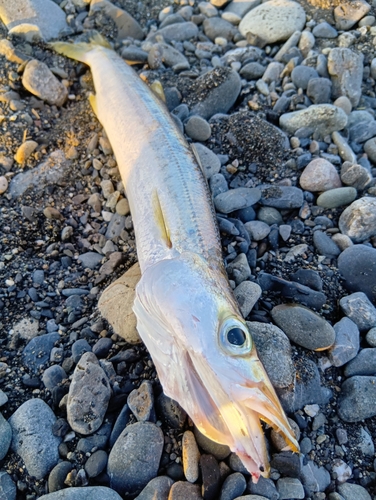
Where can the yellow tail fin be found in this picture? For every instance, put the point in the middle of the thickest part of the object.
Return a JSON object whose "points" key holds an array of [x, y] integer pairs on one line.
{"points": [[79, 50]]}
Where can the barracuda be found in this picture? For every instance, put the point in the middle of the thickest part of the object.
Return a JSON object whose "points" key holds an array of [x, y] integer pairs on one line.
{"points": [[186, 312]]}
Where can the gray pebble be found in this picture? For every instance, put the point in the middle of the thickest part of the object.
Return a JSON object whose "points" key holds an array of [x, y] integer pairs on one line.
{"points": [[134, 458], [314, 478], [269, 215], [252, 71], [33, 438], [217, 27], [363, 131], [184, 490], [369, 148], [289, 487], [210, 163], [281, 197], [233, 486], [218, 184], [8, 490], [132, 53], [357, 399], [197, 128], [350, 491], [319, 90], [324, 30], [96, 463], [88, 493], [141, 402], [156, 489], [359, 309], [287, 463], [356, 176], [346, 344], [358, 221], [257, 230], [363, 364], [274, 351], [365, 443], [171, 412], [90, 259], [3, 398], [120, 424], [235, 199], [53, 376], [88, 396], [371, 337], [301, 75], [346, 71], [79, 348], [219, 451], [247, 294], [116, 226], [305, 445], [338, 197], [40, 81], [97, 441], [37, 352], [303, 326], [239, 269], [323, 118], [263, 488], [357, 265], [325, 245], [177, 32], [5, 437], [58, 475], [102, 347], [236, 464]]}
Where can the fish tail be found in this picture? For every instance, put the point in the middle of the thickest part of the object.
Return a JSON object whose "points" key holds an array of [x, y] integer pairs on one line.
{"points": [[79, 50]]}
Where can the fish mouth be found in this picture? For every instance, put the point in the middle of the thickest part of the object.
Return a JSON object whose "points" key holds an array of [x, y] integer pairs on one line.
{"points": [[233, 415]]}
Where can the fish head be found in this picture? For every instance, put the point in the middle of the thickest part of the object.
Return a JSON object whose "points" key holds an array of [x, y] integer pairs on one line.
{"points": [[206, 358]]}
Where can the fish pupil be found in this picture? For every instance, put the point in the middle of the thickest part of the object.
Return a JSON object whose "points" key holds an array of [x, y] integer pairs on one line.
{"points": [[236, 336]]}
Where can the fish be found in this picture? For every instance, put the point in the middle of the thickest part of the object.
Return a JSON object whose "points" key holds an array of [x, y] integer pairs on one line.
{"points": [[186, 313]]}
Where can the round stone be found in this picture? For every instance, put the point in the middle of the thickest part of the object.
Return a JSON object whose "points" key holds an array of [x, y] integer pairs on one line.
{"points": [[358, 221], [273, 21], [370, 149], [301, 75], [191, 457], [197, 128], [334, 198], [320, 175], [3, 184]]}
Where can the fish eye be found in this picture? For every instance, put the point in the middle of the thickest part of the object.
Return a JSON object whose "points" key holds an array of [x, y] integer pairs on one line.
{"points": [[234, 337]]}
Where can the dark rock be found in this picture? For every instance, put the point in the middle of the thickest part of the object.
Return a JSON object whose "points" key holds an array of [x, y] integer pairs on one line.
{"points": [[281, 197], [363, 364], [359, 309], [287, 463], [210, 477], [58, 475], [96, 463], [170, 411], [357, 265], [37, 352], [357, 399], [309, 278], [233, 486]]}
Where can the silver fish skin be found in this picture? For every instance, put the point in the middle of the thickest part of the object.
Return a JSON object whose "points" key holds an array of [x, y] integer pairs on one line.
{"points": [[186, 312]]}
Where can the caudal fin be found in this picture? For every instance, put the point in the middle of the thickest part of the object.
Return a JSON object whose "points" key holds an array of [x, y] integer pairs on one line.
{"points": [[79, 50]]}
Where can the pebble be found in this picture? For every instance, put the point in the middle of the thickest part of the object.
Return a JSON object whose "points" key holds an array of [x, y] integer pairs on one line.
{"points": [[233, 486], [346, 70], [24, 152], [370, 149], [3, 184], [356, 176], [33, 439], [3, 398], [350, 491], [273, 21], [217, 98], [134, 458], [247, 294], [86, 493], [301, 76], [58, 475], [197, 128], [90, 260], [39, 80], [281, 197], [363, 364], [325, 245], [8, 490], [178, 32], [274, 351], [235, 199], [215, 27], [102, 347], [357, 265], [324, 30], [334, 198], [363, 131], [344, 103], [269, 215], [79, 348], [219, 451], [319, 90], [239, 269], [264, 488], [346, 344], [43, 15], [358, 221], [252, 71], [126, 25], [141, 402], [360, 310], [184, 490], [320, 175], [37, 352], [289, 487], [342, 471], [357, 399], [303, 326], [88, 397], [5, 437], [322, 118], [347, 15], [314, 478], [257, 230], [170, 411], [96, 463], [370, 338], [53, 376], [190, 456], [210, 162], [156, 489]]}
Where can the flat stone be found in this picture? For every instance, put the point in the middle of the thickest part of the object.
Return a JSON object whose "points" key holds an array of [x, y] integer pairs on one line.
{"points": [[141, 402], [363, 364], [303, 326], [314, 478], [334, 198], [346, 344], [347, 14], [134, 458], [325, 245], [178, 32], [235, 199], [37, 352], [323, 118], [360, 310], [32, 437], [274, 351], [319, 90], [156, 489], [289, 487], [44, 15], [247, 294], [252, 71], [301, 76], [258, 230], [346, 70], [358, 221], [272, 22], [357, 399], [88, 493], [88, 396], [126, 25], [281, 197], [324, 30], [215, 27], [209, 160], [357, 265]]}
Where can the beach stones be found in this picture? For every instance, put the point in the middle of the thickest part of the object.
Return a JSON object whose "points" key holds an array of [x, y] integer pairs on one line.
{"points": [[320, 175], [358, 221], [357, 265], [324, 118]]}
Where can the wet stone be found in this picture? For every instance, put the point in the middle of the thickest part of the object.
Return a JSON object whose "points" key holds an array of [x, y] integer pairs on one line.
{"points": [[156, 489], [88, 397], [346, 344], [235, 199], [357, 399], [141, 402], [360, 310], [363, 364], [33, 438], [134, 458], [303, 326], [233, 486]]}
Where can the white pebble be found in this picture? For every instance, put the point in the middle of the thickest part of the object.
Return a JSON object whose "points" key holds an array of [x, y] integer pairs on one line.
{"points": [[3, 184]]}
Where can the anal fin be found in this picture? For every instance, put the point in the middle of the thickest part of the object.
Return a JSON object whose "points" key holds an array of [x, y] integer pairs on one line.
{"points": [[93, 103], [160, 220]]}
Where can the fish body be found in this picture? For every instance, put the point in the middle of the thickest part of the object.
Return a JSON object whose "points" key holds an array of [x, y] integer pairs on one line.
{"points": [[186, 312]]}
